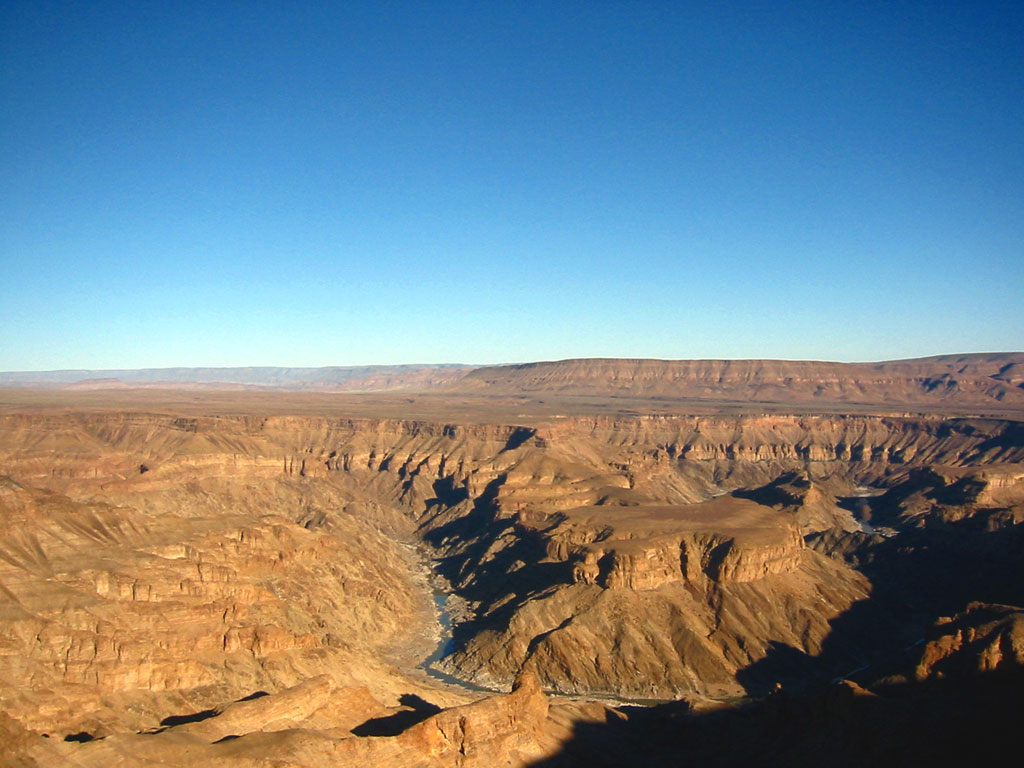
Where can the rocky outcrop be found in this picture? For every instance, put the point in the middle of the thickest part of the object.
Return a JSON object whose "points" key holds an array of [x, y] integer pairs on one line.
{"points": [[157, 566], [114, 618], [293, 728], [984, 638], [487, 732], [641, 547]]}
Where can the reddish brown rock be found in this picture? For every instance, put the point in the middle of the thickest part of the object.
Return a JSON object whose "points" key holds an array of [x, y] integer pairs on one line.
{"points": [[159, 565], [984, 638]]}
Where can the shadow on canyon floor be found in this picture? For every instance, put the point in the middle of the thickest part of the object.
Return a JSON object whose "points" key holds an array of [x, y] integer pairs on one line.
{"points": [[482, 575], [419, 709], [917, 577], [945, 722]]}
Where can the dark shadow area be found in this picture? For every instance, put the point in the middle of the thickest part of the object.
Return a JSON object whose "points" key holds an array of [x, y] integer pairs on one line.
{"points": [[419, 709], [715, 559], [511, 577], [529, 581], [252, 696], [519, 436], [229, 737], [486, 575], [446, 493], [872, 638], [417, 702], [470, 525], [173, 720], [972, 721], [779, 492], [538, 639], [784, 664], [917, 577], [81, 737]]}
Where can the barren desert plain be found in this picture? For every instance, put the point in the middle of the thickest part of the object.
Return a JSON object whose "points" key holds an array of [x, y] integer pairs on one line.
{"points": [[584, 562]]}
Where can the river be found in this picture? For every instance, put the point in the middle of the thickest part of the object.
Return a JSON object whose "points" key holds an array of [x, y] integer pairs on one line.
{"points": [[446, 646]]}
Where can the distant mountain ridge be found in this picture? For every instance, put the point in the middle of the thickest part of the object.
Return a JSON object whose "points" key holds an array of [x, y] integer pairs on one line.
{"points": [[331, 378], [962, 379], [983, 377]]}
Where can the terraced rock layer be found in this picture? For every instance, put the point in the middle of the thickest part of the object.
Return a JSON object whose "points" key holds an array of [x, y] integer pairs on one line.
{"points": [[950, 380], [194, 474], [165, 570]]}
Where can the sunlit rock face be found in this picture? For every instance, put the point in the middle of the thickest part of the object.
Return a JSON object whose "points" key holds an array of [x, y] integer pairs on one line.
{"points": [[113, 615], [984, 638], [653, 601], [160, 566], [948, 380]]}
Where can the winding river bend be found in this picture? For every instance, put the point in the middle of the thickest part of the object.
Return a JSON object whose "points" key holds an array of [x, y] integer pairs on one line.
{"points": [[445, 646]]}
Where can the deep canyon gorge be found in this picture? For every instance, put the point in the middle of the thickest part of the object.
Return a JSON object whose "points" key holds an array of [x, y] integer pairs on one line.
{"points": [[649, 562]]}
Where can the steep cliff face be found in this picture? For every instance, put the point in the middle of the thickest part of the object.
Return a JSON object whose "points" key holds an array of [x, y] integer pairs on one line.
{"points": [[984, 638], [159, 564], [643, 547], [113, 617], [666, 455]]}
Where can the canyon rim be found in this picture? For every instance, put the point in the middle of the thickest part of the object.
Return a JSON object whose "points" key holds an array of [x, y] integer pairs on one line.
{"points": [[639, 562]]}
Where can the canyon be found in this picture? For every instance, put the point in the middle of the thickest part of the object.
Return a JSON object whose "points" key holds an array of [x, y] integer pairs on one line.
{"points": [[650, 562]]}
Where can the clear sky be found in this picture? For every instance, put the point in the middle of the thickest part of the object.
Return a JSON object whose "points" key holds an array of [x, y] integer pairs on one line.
{"points": [[344, 183]]}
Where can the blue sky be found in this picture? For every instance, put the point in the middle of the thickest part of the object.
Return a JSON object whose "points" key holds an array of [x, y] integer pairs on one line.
{"points": [[259, 183]]}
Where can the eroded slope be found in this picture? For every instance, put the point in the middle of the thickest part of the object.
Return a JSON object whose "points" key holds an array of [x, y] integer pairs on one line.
{"points": [[161, 565]]}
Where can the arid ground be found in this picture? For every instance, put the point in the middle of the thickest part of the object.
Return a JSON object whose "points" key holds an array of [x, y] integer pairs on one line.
{"points": [[641, 563]]}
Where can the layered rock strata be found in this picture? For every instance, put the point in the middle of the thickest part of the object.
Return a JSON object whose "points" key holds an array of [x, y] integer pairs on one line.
{"points": [[984, 638], [161, 565], [112, 617], [952, 379], [312, 725]]}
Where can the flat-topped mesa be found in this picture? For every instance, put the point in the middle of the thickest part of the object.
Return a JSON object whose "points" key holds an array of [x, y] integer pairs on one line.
{"points": [[961, 379], [686, 594], [643, 547]]}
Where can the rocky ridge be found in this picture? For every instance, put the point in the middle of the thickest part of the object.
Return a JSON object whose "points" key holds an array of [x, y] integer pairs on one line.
{"points": [[161, 566], [975, 379]]}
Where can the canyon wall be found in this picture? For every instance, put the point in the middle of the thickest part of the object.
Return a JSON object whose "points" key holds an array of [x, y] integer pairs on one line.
{"points": [[585, 546]]}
